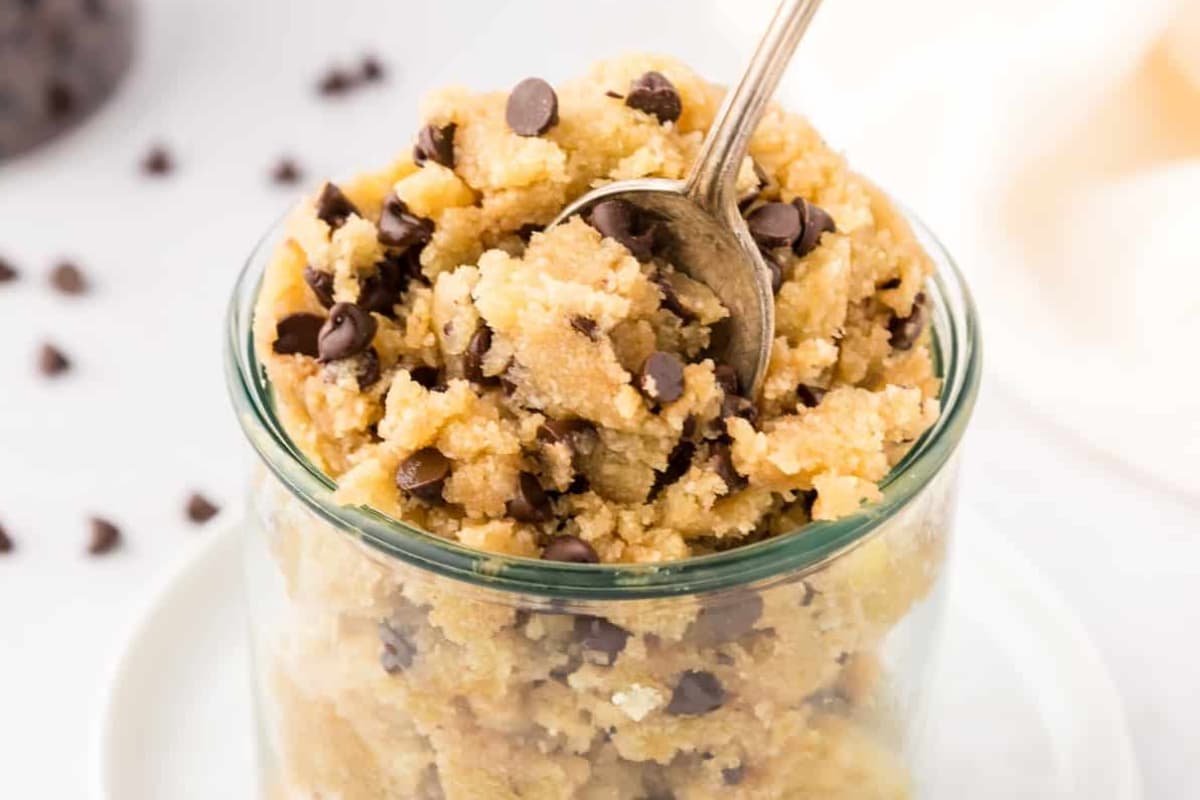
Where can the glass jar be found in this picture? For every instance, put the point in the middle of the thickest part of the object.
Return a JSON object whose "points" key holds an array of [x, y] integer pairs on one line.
{"points": [[391, 663]]}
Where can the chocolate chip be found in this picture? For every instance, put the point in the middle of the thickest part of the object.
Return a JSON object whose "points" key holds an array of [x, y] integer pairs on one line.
{"points": [[335, 81], [727, 620], [435, 144], [890, 283], [532, 108], [732, 776], [423, 474], [68, 279], [400, 228], [906, 330], [566, 431], [52, 361], [601, 640], [624, 222], [158, 162], [775, 224], [733, 405], [776, 270], [727, 378], [722, 464], [321, 283], [654, 94], [104, 536], [6, 542], [348, 332], [670, 299], [661, 378], [200, 509], [815, 221], [368, 369], [333, 207], [571, 549], [8, 272], [678, 463], [585, 325], [296, 334], [809, 396], [371, 70], [530, 503], [286, 172], [428, 377], [477, 348], [697, 692], [398, 649]]}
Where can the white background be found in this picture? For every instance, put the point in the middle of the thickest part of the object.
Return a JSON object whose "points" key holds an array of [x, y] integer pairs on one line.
{"points": [[142, 419]]}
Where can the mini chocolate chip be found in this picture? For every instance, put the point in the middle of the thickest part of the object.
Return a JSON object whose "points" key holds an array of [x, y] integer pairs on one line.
{"points": [[776, 270], [296, 334], [8, 272], [678, 463], [52, 361], [614, 95], [435, 144], [906, 330], [286, 172], [654, 94], [722, 464], [428, 377], [571, 549], [585, 325], [371, 70], [698, 692], [727, 378], [670, 299], [348, 332], [477, 348], [321, 283], [104, 536], [398, 649], [158, 162], [774, 224], [727, 620], [661, 377], [625, 223], [602, 641], [566, 431], [423, 474], [335, 81], [530, 503], [890, 283], [68, 279], [532, 108], [333, 207], [809, 396], [732, 776], [368, 369], [6, 542], [200, 509], [400, 228], [815, 221]]}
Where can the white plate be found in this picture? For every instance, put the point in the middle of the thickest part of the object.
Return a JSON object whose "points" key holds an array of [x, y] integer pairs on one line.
{"points": [[1021, 706]]}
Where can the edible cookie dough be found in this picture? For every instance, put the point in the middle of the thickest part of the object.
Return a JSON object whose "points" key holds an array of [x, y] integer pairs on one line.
{"points": [[545, 392]]}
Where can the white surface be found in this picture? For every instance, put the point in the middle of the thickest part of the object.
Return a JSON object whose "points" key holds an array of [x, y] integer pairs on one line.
{"points": [[178, 719], [144, 418]]}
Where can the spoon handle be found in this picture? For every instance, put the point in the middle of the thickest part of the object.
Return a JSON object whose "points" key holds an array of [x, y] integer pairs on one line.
{"points": [[711, 182]]}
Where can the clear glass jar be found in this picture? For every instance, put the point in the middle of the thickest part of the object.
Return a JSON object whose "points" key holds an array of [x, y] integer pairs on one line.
{"points": [[391, 663]]}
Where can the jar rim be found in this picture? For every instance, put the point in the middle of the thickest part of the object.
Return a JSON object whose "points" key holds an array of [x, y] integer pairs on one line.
{"points": [[957, 354]]}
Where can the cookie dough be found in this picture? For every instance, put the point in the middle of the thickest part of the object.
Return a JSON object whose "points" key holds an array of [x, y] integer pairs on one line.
{"points": [[451, 362]]}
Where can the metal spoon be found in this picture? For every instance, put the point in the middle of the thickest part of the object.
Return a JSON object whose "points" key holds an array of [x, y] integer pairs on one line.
{"points": [[707, 238]]}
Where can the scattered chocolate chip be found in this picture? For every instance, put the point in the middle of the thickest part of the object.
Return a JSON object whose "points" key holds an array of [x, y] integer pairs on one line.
{"points": [[296, 334], [158, 162], [398, 649], [68, 279], [722, 464], [60, 100], [570, 548], [200, 509], [286, 172], [810, 594], [423, 474], [52, 361], [8, 272], [585, 325], [530, 504], [333, 207], [670, 299], [532, 108], [661, 378], [906, 330], [400, 228], [654, 94], [348, 332], [602, 641], [727, 620], [626, 223], [809, 396], [678, 463], [614, 95], [104, 536], [566, 431], [774, 224], [368, 369], [477, 348], [321, 283], [776, 270], [435, 144], [371, 70], [697, 692], [815, 221], [335, 81], [727, 378], [890, 283], [6, 542], [732, 776], [428, 377]]}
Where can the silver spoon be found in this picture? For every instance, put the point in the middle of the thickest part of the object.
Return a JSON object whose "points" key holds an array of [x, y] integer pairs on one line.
{"points": [[707, 238]]}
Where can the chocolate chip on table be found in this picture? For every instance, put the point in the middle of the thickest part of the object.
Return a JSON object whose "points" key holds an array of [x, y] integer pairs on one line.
{"points": [[585, 325], [158, 162], [426, 376], [8, 272], [661, 377], [775, 224], [200, 509], [321, 283], [104, 536], [52, 361], [654, 94], [348, 332], [398, 650], [814, 221], [601, 640], [371, 70], [530, 504], [297, 334], [286, 172], [732, 776], [333, 207], [477, 348], [423, 474], [809, 396], [398, 227], [435, 144], [906, 330], [532, 108], [626, 223], [571, 549], [369, 371], [67, 278], [335, 81], [727, 620], [722, 464], [6, 542], [697, 692]]}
